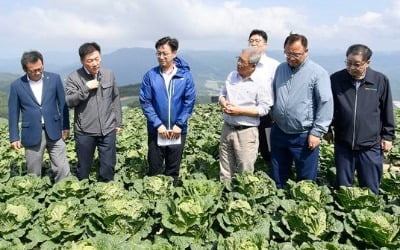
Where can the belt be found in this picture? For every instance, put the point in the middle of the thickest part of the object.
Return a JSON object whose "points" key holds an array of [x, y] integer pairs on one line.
{"points": [[238, 127]]}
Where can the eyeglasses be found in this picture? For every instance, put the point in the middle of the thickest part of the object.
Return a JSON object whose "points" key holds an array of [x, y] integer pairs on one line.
{"points": [[294, 55], [163, 54], [35, 71], [355, 64], [240, 61], [256, 41]]}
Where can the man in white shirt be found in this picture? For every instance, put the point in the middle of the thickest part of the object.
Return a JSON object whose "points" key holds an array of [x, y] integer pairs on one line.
{"points": [[39, 97], [265, 70], [243, 100]]}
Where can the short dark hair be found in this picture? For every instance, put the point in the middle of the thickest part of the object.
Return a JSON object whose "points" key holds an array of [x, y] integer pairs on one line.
{"points": [[261, 33], [292, 38], [30, 57], [88, 48], [172, 42], [360, 49]]}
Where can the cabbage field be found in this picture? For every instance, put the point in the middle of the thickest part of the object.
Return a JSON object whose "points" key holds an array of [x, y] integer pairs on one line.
{"points": [[139, 212]]}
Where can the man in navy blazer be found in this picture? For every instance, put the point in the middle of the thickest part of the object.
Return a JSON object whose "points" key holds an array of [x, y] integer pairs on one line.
{"points": [[39, 96]]}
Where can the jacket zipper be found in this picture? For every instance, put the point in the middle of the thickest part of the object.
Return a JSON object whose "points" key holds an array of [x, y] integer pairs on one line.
{"points": [[170, 93], [354, 118]]}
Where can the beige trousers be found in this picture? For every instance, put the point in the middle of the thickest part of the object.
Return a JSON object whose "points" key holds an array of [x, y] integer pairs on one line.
{"points": [[238, 151]]}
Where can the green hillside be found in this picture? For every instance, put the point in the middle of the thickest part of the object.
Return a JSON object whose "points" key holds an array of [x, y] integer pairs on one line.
{"points": [[5, 81]]}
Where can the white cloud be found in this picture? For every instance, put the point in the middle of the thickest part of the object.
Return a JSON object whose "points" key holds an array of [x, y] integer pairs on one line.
{"points": [[198, 24]]}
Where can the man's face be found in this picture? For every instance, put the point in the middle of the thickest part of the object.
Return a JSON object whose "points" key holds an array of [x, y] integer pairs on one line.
{"points": [[295, 53], [165, 56], [356, 65], [34, 70], [244, 68], [92, 62], [256, 41]]}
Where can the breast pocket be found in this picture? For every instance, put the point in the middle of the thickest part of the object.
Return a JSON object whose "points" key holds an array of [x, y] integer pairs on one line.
{"points": [[107, 89]]}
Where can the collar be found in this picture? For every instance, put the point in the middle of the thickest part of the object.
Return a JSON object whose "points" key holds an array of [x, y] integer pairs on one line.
{"points": [[369, 76], [249, 78], [263, 59], [170, 72], [33, 82], [89, 74], [295, 69], [367, 79]]}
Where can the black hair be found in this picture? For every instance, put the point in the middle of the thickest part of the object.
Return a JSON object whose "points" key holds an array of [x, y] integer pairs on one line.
{"points": [[88, 48], [292, 38], [261, 33], [172, 42], [360, 49], [30, 57]]}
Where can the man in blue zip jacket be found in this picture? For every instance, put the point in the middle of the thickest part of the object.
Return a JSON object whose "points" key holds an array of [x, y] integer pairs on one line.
{"points": [[363, 120], [167, 97]]}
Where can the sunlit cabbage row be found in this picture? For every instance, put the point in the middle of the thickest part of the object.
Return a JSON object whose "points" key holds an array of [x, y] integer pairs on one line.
{"points": [[138, 212]]}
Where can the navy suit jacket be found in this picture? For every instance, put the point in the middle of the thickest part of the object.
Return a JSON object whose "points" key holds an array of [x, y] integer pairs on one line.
{"points": [[53, 109]]}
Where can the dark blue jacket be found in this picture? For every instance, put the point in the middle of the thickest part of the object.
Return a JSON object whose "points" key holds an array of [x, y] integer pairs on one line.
{"points": [[52, 108], [363, 116], [172, 106]]}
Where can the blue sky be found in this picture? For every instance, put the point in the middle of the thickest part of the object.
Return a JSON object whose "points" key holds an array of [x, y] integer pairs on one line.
{"points": [[56, 25]]}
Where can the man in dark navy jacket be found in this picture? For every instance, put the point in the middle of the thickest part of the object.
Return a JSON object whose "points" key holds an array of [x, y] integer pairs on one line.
{"points": [[39, 97], [363, 120]]}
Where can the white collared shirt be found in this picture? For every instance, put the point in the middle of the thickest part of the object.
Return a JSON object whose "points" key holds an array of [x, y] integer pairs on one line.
{"points": [[265, 73], [249, 92], [168, 76], [37, 89]]}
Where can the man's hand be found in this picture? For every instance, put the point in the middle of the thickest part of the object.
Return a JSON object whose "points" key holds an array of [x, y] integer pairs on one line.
{"points": [[386, 145], [329, 137], [175, 133], [118, 130], [16, 145], [163, 132], [92, 84], [224, 103], [65, 134], [232, 110], [313, 142]]}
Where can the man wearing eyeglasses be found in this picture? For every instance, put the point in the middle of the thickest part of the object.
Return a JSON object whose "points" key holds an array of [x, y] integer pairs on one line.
{"points": [[302, 113], [39, 97], [243, 100], [265, 70], [363, 120], [167, 97]]}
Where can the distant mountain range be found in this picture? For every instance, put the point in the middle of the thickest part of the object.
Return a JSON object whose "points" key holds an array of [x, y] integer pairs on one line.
{"points": [[209, 68]]}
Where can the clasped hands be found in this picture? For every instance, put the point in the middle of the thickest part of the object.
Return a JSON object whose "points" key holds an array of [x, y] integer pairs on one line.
{"points": [[230, 108], [175, 133]]}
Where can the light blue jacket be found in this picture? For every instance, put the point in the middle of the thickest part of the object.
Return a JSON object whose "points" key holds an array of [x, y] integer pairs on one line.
{"points": [[172, 106], [303, 99]]}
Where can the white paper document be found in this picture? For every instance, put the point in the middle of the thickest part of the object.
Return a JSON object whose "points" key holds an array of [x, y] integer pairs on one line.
{"points": [[166, 142]]}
